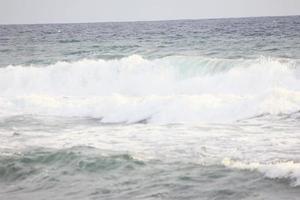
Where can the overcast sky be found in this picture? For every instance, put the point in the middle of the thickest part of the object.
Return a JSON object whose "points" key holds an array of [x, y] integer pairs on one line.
{"points": [[66, 11]]}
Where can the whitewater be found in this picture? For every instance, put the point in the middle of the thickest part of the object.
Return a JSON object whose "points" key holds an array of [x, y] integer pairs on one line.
{"points": [[166, 90], [195, 109]]}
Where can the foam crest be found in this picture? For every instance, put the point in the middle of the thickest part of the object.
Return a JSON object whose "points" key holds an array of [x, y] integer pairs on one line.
{"points": [[279, 170], [176, 89]]}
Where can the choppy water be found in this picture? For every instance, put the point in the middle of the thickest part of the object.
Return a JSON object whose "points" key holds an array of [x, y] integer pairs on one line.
{"points": [[202, 109]]}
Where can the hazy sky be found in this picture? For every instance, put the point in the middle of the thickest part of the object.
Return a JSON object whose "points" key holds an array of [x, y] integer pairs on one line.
{"points": [[64, 11]]}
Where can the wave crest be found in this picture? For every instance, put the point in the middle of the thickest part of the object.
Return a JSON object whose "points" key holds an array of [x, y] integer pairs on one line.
{"points": [[279, 170], [167, 90]]}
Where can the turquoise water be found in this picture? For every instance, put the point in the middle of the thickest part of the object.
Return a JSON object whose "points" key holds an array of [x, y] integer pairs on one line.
{"points": [[194, 109]]}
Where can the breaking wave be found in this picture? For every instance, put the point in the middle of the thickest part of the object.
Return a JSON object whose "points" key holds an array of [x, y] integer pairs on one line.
{"points": [[176, 89], [279, 170]]}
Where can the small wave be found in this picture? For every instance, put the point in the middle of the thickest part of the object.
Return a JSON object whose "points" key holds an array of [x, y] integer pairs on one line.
{"points": [[84, 159], [69, 41], [278, 170]]}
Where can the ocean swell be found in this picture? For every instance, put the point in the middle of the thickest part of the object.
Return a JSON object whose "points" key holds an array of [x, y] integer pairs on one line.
{"points": [[38, 163]]}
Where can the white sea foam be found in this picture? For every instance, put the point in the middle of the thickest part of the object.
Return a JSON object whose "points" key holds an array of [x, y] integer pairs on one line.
{"points": [[288, 170], [167, 90]]}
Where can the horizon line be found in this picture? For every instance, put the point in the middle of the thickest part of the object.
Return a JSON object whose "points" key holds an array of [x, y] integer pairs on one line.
{"points": [[154, 20]]}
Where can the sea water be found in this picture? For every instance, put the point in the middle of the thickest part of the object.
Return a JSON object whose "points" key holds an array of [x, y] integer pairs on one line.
{"points": [[189, 109]]}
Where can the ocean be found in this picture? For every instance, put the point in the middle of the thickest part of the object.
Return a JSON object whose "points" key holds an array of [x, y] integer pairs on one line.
{"points": [[188, 109]]}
